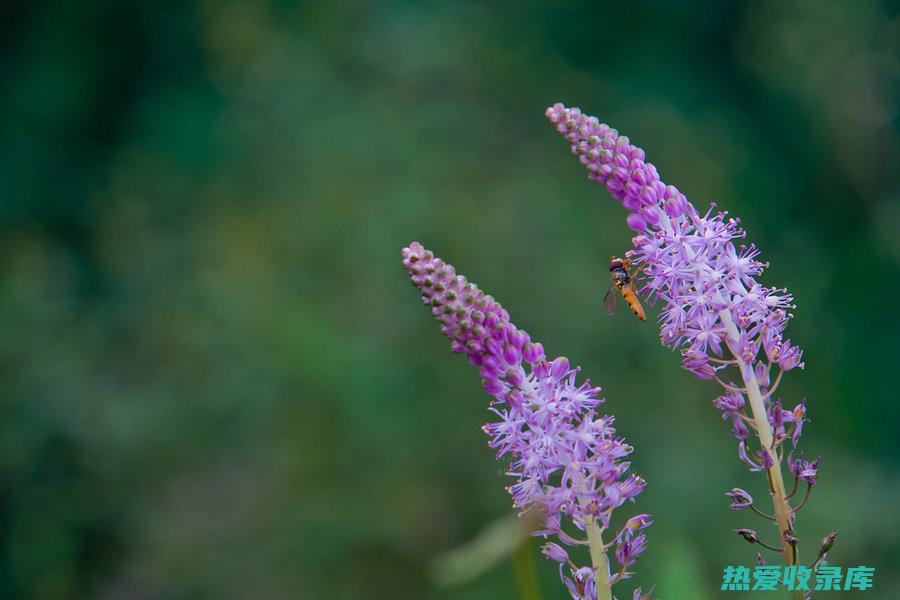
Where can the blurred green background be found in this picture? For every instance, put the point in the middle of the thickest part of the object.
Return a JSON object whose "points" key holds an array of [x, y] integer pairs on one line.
{"points": [[217, 381]]}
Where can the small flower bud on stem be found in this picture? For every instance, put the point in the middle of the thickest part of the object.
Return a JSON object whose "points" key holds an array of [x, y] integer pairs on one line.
{"points": [[753, 537], [824, 547]]}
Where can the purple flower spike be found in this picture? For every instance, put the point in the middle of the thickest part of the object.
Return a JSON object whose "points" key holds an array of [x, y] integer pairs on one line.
{"points": [[565, 459], [727, 325], [689, 259]]}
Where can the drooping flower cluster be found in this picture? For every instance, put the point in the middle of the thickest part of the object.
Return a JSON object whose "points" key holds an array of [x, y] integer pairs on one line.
{"points": [[565, 458], [713, 308]]}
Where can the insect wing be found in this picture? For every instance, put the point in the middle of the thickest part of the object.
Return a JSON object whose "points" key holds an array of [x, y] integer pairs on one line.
{"points": [[611, 300]]}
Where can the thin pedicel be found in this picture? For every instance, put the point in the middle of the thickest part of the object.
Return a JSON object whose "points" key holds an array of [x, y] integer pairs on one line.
{"points": [[569, 467], [726, 324]]}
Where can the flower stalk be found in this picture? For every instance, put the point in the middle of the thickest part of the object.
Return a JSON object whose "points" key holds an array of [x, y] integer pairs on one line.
{"points": [[599, 560], [764, 432]]}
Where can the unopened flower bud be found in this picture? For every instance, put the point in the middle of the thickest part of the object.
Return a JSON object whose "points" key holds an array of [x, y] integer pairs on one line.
{"points": [[636, 222], [555, 552], [739, 499], [748, 534], [827, 543], [533, 352]]}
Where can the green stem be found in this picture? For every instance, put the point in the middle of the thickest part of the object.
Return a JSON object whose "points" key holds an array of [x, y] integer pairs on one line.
{"points": [[764, 430], [794, 490], [598, 560], [805, 498], [762, 514]]}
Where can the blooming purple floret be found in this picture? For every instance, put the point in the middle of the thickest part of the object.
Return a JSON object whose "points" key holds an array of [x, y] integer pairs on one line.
{"points": [[805, 471], [581, 584], [630, 548], [565, 458]]}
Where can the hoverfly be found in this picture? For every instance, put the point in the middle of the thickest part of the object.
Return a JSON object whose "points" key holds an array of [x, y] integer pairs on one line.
{"points": [[621, 284]]}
